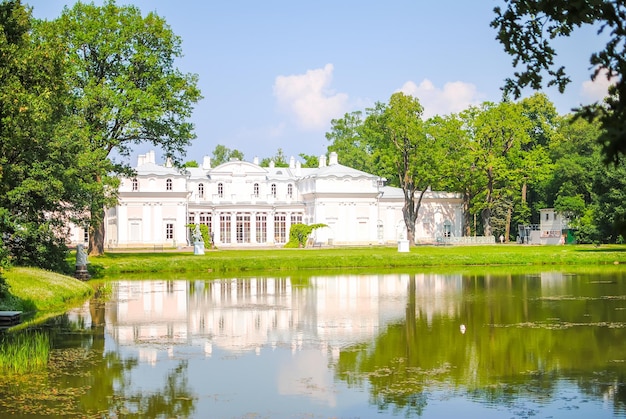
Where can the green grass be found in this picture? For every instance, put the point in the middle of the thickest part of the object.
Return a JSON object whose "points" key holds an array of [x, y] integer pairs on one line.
{"points": [[222, 262], [36, 290], [24, 352]]}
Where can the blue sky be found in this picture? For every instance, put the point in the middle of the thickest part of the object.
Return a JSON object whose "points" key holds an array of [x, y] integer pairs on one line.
{"points": [[274, 73]]}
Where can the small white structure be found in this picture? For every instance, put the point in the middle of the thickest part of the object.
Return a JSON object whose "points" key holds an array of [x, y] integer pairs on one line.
{"points": [[246, 205], [553, 227]]}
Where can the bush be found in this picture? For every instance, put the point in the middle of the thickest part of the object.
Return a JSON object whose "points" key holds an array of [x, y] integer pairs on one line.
{"points": [[299, 234], [32, 244]]}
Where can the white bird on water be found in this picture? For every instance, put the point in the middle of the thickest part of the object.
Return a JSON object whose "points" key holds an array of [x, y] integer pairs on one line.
{"points": [[462, 329]]}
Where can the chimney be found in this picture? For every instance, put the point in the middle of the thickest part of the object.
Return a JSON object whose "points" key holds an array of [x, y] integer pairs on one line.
{"points": [[322, 161], [332, 159], [168, 162], [272, 164], [206, 163], [298, 168], [150, 156], [292, 162], [141, 160], [255, 160]]}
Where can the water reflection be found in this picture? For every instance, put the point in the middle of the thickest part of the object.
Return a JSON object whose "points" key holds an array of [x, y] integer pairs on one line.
{"points": [[352, 346]]}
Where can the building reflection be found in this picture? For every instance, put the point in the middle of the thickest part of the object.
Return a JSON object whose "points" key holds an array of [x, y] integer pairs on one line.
{"points": [[247, 314]]}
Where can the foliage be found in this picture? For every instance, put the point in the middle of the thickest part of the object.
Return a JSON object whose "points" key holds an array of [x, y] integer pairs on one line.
{"points": [[610, 188], [526, 29], [405, 152], [223, 154], [348, 141], [191, 163], [42, 176], [204, 232], [280, 160], [299, 234], [33, 244], [24, 352], [125, 91], [309, 160]]}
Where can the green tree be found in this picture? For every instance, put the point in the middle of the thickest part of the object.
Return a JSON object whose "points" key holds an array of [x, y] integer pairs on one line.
{"points": [[279, 160], [404, 152], [126, 91], [42, 176], [191, 163], [223, 154], [527, 28], [348, 142], [310, 160], [497, 134]]}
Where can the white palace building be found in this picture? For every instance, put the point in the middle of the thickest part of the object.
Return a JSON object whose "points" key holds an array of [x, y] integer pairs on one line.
{"points": [[246, 205]]}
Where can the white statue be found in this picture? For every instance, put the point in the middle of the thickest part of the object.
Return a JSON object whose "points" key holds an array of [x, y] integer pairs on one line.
{"points": [[81, 255]]}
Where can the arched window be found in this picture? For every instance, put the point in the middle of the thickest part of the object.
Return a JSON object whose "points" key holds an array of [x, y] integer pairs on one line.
{"points": [[220, 190], [135, 184], [201, 190], [290, 190], [168, 185], [274, 190], [256, 190]]}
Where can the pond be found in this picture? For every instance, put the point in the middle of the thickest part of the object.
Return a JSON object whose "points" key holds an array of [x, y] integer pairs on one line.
{"points": [[489, 345]]}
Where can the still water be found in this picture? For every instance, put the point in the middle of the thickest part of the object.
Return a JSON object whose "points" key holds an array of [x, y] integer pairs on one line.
{"points": [[545, 345]]}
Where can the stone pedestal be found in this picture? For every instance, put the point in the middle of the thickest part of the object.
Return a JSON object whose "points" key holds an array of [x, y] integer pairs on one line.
{"points": [[198, 248], [403, 245], [81, 273]]}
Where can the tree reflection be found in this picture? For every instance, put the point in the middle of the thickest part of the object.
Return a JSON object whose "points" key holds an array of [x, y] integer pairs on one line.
{"points": [[85, 379], [520, 340]]}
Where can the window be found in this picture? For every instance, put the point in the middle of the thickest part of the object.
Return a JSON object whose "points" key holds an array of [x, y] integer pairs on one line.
{"points": [[168, 185], [225, 228], [86, 235], [280, 227], [220, 190], [256, 190], [243, 227], [201, 190], [274, 190], [296, 218], [135, 184], [290, 190], [205, 219], [169, 231], [261, 228]]}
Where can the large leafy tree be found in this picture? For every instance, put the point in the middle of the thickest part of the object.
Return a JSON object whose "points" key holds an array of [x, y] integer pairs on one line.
{"points": [[527, 28], [42, 180], [347, 141], [405, 152], [497, 135], [126, 90]]}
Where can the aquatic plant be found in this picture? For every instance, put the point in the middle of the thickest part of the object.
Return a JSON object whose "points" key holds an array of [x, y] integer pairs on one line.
{"points": [[23, 352]]}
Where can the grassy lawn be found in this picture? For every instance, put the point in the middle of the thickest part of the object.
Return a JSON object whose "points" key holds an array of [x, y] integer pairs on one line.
{"points": [[375, 258], [35, 290]]}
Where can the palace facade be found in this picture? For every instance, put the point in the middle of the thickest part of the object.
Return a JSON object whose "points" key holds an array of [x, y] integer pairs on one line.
{"points": [[246, 205]]}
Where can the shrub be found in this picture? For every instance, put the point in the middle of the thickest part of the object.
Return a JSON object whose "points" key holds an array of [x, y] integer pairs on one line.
{"points": [[299, 234]]}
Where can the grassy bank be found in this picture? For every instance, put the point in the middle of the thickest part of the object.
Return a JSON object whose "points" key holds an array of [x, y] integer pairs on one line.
{"points": [[267, 260], [35, 290]]}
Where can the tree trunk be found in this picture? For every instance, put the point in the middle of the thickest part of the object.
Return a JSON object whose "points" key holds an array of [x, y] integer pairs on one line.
{"points": [[486, 216], [410, 210], [96, 233], [507, 227], [467, 217]]}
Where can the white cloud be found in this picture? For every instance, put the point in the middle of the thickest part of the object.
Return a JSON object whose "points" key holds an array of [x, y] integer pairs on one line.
{"points": [[308, 97], [595, 90], [454, 97]]}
